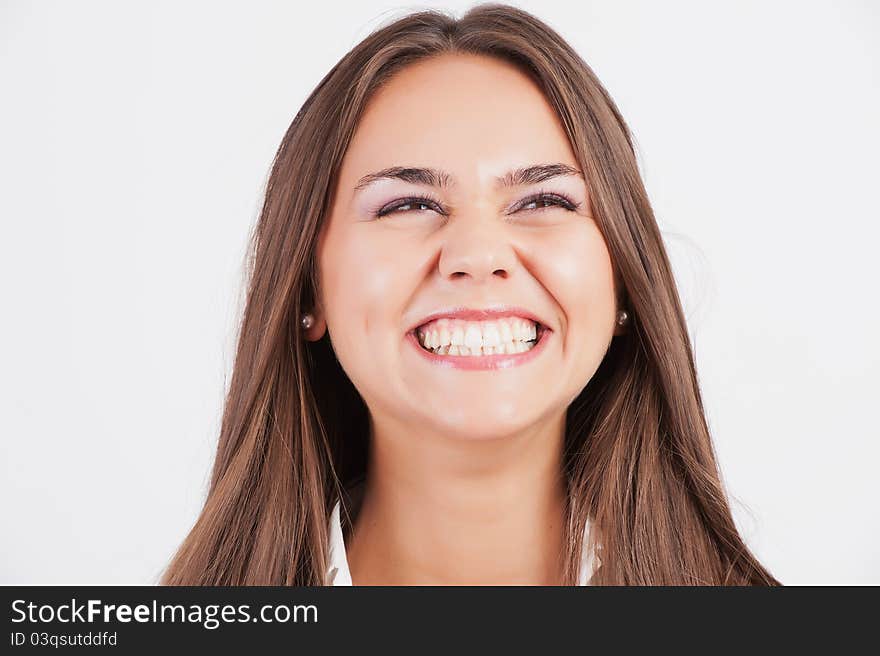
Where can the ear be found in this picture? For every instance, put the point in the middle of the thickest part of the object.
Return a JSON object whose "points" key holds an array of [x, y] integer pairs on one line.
{"points": [[621, 305], [618, 329], [319, 325]]}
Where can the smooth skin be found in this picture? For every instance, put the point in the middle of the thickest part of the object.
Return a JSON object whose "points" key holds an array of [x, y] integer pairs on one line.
{"points": [[464, 481]]}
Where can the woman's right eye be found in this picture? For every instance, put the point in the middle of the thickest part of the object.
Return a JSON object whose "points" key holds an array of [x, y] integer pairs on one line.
{"points": [[407, 204]]}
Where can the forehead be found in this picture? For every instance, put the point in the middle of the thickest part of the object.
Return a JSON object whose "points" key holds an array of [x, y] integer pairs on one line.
{"points": [[472, 115]]}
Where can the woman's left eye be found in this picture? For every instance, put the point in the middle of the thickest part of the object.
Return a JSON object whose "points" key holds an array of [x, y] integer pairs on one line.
{"points": [[542, 201]]}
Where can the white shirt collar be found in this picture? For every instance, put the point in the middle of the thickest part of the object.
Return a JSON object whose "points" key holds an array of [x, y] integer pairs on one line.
{"points": [[339, 574]]}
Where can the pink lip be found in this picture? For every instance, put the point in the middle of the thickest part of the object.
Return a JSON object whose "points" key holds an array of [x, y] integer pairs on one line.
{"points": [[471, 362], [470, 314]]}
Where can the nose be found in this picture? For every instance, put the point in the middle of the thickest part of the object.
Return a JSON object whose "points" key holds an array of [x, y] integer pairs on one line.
{"points": [[476, 245]]}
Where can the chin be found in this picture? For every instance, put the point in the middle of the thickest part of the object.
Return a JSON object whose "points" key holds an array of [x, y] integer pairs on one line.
{"points": [[475, 424]]}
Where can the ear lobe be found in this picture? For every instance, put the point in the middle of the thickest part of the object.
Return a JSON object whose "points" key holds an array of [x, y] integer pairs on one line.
{"points": [[316, 331], [621, 322]]}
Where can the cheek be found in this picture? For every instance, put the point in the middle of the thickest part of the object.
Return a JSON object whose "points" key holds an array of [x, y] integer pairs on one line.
{"points": [[363, 279], [576, 266]]}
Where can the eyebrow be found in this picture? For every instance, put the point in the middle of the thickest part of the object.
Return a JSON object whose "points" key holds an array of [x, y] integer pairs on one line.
{"points": [[436, 178]]}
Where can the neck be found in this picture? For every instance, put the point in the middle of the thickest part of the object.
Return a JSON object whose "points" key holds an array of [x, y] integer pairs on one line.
{"points": [[443, 511]]}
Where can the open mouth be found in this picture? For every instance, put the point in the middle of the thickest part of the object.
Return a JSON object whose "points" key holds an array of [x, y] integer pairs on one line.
{"points": [[507, 336]]}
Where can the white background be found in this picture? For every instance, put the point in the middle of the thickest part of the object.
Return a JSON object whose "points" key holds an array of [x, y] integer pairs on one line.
{"points": [[135, 140]]}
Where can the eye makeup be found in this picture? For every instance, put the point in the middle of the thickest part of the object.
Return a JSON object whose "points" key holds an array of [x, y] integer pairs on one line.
{"points": [[400, 203], [553, 199]]}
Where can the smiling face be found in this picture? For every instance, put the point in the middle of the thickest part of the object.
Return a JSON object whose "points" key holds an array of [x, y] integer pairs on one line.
{"points": [[478, 238]]}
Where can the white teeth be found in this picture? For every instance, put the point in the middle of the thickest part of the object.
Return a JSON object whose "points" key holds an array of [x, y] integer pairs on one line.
{"points": [[491, 336], [508, 335], [473, 337]]}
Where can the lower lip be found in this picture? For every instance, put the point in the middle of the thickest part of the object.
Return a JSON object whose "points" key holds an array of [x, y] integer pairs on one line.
{"points": [[496, 361]]}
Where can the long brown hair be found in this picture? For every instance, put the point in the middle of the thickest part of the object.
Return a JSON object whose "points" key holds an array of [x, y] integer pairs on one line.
{"points": [[639, 461]]}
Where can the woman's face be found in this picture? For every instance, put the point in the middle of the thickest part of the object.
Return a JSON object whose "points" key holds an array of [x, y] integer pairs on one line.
{"points": [[473, 244]]}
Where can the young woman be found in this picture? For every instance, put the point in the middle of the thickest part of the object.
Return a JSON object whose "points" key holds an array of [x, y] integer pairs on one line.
{"points": [[463, 358]]}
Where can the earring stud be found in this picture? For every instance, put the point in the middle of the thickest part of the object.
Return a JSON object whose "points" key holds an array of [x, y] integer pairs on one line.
{"points": [[622, 318], [307, 321]]}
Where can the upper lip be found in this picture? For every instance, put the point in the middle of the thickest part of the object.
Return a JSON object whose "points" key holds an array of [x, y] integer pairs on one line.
{"points": [[479, 314]]}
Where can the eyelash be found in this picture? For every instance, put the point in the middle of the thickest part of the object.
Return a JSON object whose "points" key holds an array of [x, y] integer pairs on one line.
{"points": [[558, 200]]}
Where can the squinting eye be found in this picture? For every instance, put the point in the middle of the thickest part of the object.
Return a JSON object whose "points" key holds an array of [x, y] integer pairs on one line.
{"points": [[406, 204], [543, 201]]}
